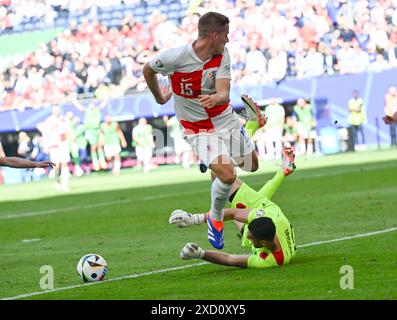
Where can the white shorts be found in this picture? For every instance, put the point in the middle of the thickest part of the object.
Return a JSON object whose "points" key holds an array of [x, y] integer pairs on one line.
{"points": [[111, 150], [274, 134], [144, 154], [304, 132], [60, 154], [209, 146], [180, 145]]}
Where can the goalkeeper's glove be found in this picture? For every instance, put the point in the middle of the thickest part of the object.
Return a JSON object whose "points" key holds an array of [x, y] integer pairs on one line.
{"points": [[184, 219], [191, 251]]}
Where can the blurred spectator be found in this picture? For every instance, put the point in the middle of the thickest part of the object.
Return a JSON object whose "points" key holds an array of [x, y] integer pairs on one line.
{"points": [[356, 120], [25, 148], [142, 136], [306, 127], [269, 41], [290, 133], [2, 154], [77, 143], [390, 110], [274, 129], [312, 64], [92, 125], [56, 133], [113, 141], [183, 151], [39, 154]]}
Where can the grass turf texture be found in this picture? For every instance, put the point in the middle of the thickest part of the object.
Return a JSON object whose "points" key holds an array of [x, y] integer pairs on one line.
{"points": [[125, 219]]}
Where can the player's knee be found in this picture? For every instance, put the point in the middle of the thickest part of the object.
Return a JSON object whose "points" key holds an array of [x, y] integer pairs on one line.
{"points": [[228, 175]]}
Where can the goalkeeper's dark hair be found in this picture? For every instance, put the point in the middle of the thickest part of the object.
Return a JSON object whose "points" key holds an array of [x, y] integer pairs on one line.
{"points": [[262, 228], [211, 22]]}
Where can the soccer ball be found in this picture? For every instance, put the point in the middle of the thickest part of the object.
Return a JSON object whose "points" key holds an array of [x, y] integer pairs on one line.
{"points": [[92, 267]]}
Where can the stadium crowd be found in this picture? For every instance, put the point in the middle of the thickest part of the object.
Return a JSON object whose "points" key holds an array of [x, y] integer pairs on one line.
{"points": [[269, 41]]}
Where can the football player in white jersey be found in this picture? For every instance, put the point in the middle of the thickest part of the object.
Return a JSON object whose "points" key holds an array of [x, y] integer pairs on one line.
{"points": [[56, 133], [200, 85]]}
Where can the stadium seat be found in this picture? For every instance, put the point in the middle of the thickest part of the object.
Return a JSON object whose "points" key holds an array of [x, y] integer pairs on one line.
{"points": [[117, 14], [28, 26], [139, 11], [154, 3], [105, 16], [175, 6], [114, 22], [174, 15], [139, 19], [163, 8], [108, 9], [60, 22], [174, 21]]}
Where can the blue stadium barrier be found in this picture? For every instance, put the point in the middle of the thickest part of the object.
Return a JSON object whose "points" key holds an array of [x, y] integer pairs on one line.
{"points": [[329, 141], [334, 92]]}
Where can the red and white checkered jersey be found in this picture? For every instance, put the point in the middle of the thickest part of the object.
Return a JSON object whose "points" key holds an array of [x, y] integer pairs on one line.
{"points": [[191, 77], [56, 130]]}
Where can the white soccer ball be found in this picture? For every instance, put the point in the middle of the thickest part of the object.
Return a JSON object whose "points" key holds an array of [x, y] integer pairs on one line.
{"points": [[92, 267]]}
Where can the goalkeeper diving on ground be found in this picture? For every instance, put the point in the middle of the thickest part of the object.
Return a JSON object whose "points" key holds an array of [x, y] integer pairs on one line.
{"points": [[262, 225]]}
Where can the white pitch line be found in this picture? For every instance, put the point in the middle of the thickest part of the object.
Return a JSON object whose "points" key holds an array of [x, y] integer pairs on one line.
{"points": [[94, 205], [348, 238], [106, 281], [138, 275], [30, 240], [148, 198]]}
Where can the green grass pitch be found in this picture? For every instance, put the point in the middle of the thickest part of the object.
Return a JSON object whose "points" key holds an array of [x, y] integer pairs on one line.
{"points": [[125, 219]]}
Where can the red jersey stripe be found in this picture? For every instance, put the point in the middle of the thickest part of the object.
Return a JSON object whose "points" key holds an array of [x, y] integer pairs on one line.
{"points": [[217, 110], [187, 84], [197, 126], [215, 62]]}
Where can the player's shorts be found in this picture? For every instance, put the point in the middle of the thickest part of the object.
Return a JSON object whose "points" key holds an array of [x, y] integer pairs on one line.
{"points": [[60, 154], [274, 134], [181, 145], [144, 154], [209, 146], [305, 132], [111, 150], [92, 136]]}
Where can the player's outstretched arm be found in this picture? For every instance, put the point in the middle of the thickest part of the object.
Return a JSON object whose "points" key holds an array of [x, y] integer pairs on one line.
{"points": [[194, 251], [14, 162], [185, 219]]}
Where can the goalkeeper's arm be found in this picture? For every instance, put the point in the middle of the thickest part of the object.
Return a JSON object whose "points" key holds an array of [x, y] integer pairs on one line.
{"points": [[194, 251], [184, 219]]}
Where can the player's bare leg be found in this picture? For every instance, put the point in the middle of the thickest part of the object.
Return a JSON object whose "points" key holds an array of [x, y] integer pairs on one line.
{"points": [[116, 165], [64, 176], [249, 163]]}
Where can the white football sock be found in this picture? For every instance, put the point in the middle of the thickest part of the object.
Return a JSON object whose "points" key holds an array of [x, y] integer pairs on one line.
{"points": [[219, 196], [116, 166]]}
